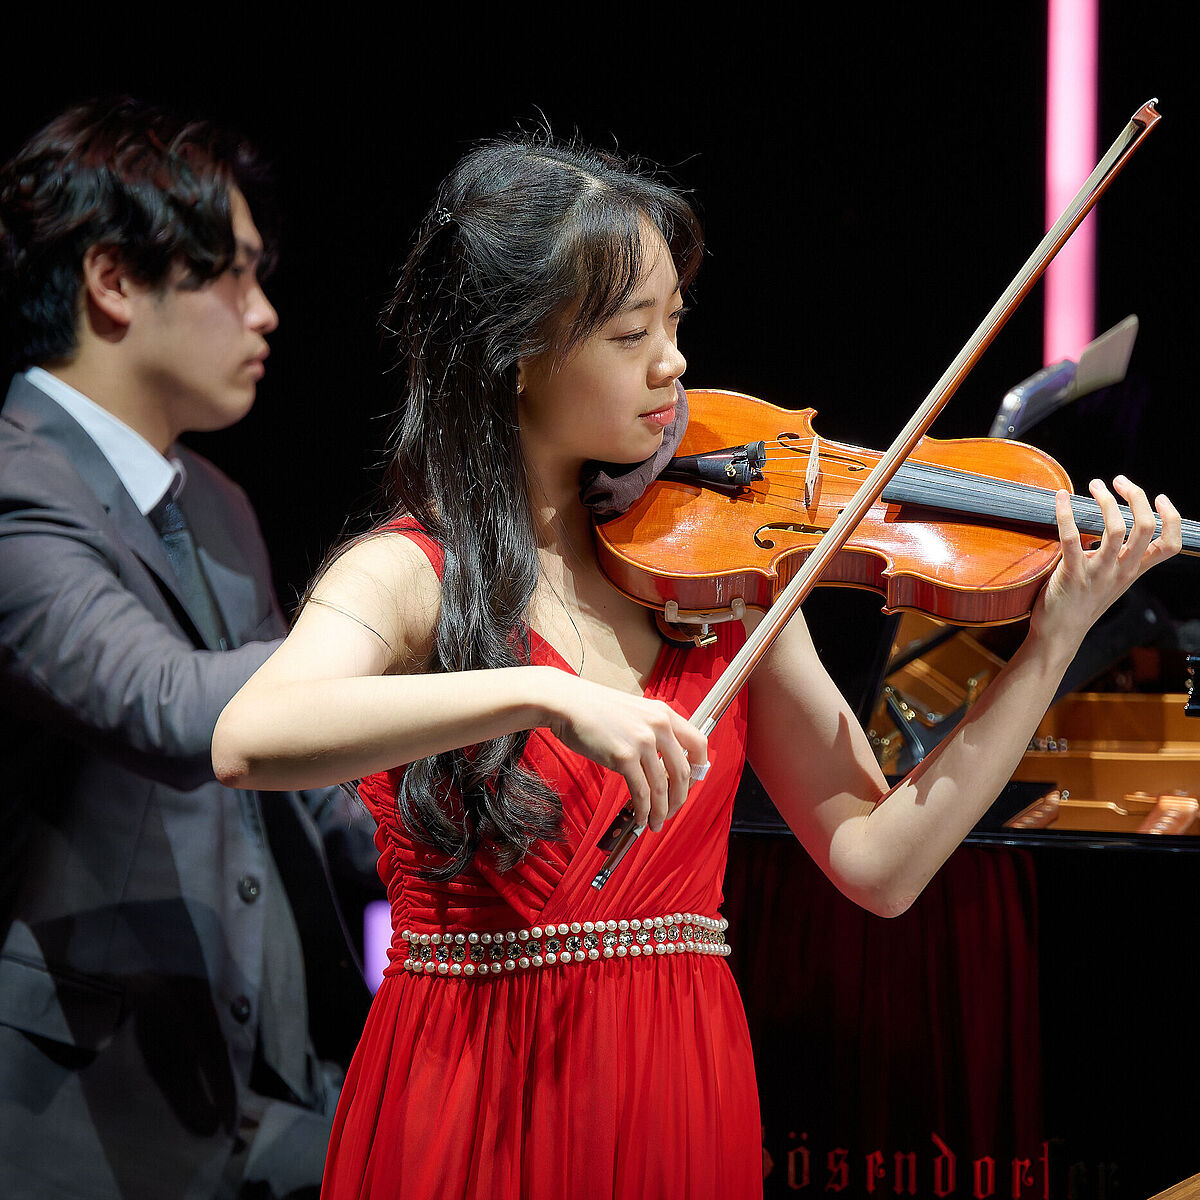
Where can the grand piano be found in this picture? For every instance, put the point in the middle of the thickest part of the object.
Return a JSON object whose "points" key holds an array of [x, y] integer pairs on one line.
{"points": [[1024, 1029]]}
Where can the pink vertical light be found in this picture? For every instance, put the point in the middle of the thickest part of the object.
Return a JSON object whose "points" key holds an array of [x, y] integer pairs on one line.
{"points": [[1071, 101]]}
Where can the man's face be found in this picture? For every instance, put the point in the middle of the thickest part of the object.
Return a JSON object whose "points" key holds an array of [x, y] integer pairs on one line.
{"points": [[199, 353]]}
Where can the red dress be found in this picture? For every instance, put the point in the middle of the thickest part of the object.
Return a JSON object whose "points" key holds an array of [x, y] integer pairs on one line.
{"points": [[627, 1073]]}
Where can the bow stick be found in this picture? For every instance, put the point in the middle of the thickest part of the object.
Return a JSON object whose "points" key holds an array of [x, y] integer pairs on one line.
{"points": [[625, 828]]}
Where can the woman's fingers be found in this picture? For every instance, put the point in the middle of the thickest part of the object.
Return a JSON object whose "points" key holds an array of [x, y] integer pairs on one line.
{"points": [[1068, 531], [1142, 547], [1170, 540], [1114, 524], [1142, 530], [677, 764], [1137, 548], [658, 779], [1087, 582], [646, 741], [664, 769]]}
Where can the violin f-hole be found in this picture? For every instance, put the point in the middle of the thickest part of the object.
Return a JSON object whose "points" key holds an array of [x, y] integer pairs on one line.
{"points": [[783, 527]]}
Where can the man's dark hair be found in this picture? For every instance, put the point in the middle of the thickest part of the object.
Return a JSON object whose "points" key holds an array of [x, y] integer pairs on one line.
{"points": [[119, 173]]}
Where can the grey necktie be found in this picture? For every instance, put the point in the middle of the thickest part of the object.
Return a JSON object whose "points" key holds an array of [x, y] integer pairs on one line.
{"points": [[283, 1024], [168, 519]]}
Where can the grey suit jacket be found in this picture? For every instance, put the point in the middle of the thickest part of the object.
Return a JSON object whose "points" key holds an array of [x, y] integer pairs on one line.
{"points": [[139, 899]]}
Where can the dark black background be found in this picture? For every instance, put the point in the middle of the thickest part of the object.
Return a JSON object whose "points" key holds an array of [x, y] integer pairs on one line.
{"points": [[869, 184]]}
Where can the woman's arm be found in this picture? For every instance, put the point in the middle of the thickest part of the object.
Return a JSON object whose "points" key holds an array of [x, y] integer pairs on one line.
{"points": [[343, 696], [881, 847]]}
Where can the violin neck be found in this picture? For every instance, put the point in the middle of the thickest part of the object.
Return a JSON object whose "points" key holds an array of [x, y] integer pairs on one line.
{"points": [[1003, 500]]}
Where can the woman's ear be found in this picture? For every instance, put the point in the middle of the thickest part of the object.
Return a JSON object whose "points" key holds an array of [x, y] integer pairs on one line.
{"points": [[520, 375], [106, 287]]}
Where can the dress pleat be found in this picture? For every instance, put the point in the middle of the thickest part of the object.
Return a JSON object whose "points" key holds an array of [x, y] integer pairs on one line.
{"points": [[619, 1077]]}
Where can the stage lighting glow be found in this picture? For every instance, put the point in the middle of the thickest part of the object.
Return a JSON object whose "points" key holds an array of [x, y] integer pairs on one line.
{"points": [[377, 937], [1071, 102]]}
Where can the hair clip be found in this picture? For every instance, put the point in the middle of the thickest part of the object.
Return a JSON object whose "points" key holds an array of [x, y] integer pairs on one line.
{"points": [[440, 217]]}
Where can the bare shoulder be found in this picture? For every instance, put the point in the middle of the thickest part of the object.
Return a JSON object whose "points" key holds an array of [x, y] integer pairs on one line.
{"points": [[386, 583]]}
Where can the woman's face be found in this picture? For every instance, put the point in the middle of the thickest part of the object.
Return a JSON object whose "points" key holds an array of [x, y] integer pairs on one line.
{"points": [[612, 399]]}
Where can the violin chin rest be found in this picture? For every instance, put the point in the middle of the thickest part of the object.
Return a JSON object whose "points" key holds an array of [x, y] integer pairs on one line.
{"points": [[685, 636]]}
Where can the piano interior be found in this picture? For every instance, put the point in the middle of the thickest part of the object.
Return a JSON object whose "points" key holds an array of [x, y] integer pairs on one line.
{"points": [[1105, 764]]}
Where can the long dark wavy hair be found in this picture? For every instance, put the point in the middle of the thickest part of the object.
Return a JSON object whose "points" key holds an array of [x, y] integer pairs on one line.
{"points": [[530, 246]]}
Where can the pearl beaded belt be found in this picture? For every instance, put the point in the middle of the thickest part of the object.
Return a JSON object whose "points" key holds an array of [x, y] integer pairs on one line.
{"points": [[453, 953]]}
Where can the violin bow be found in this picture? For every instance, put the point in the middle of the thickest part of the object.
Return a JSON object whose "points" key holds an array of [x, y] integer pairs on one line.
{"points": [[625, 829]]}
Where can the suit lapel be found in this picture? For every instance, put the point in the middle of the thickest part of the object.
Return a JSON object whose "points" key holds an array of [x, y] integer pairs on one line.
{"points": [[34, 411], [230, 575]]}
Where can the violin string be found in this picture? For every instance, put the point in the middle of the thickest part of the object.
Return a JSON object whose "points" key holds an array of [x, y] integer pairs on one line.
{"points": [[801, 447], [982, 495], [949, 489]]}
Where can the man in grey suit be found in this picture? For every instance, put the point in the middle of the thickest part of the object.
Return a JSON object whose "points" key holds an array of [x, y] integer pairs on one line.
{"points": [[155, 1034]]}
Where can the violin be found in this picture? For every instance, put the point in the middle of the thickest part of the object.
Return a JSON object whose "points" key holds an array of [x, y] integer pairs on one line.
{"points": [[964, 531], [800, 572]]}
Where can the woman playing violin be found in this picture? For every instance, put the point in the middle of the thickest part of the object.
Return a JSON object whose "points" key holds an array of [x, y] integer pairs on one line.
{"points": [[499, 702]]}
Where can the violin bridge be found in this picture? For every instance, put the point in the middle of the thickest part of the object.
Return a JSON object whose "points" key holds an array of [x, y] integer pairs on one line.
{"points": [[812, 473]]}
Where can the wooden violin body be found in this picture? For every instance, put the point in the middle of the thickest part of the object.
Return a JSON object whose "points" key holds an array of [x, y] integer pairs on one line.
{"points": [[703, 549], [805, 529]]}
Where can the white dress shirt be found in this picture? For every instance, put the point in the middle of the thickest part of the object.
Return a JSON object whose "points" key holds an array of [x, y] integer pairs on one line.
{"points": [[146, 474]]}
